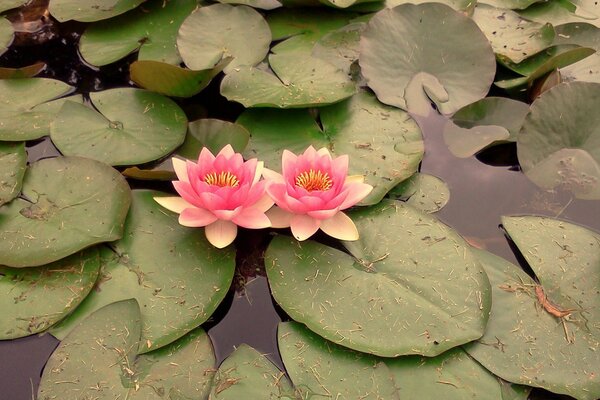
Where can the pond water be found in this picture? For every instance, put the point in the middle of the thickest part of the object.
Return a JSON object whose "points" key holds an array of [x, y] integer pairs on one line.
{"points": [[483, 188]]}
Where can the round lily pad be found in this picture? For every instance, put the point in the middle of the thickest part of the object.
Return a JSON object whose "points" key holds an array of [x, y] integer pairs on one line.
{"points": [[512, 36], [404, 43], [340, 47], [6, 34], [586, 35], [247, 374], [9, 4], [319, 368], [424, 192], [384, 144], [67, 204], [559, 143], [453, 375], [177, 277], [99, 360], [25, 107], [511, 4], [12, 169], [262, 4], [524, 343], [172, 80], [126, 126], [409, 285], [24, 72], [33, 299], [219, 31], [563, 12], [297, 81], [90, 10], [151, 29]]}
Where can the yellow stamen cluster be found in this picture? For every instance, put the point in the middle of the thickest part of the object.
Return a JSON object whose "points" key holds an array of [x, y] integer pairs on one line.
{"points": [[314, 180], [221, 179]]}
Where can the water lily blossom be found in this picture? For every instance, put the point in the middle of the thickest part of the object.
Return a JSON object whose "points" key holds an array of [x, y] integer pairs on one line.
{"points": [[220, 193], [312, 192]]}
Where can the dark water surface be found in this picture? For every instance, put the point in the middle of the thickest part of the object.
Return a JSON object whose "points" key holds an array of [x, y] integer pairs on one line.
{"points": [[482, 189]]}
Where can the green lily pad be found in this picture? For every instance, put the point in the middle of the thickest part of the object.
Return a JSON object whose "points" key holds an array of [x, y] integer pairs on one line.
{"points": [[219, 31], [450, 376], [465, 6], [171, 80], [24, 72], [424, 192], [298, 81], [33, 299], [211, 133], [90, 10], [510, 35], [98, 360], [409, 285], [6, 34], [151, 29], [303, 27], [510, 4], [523, 342], [126, 126], [559, 143], [340, 47], [560, 12], [401, 46], [262, 4], [25, 107], [10, 4], [544, 62], [247, 374], [12, 169], [587, 35], [176, 276], [385, 158], [319, 368], [69, 203]]}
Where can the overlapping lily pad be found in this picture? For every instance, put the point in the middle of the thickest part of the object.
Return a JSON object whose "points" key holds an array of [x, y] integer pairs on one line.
{"points": [[511, 4], [409, 285], [425, 192], [219, 31], [510, 35], [262, 4], [247, 374], [297, 81], [563, 12], [25, 107], [33, 299], [302, 27], [319, 368], [384, 144], [176, 276], [544, 62], [405, 43], [24, 72], [340, 47], [151, 29], [99, 360], [450, 376], [67, 204], [526, 341], [9, 4], [6, 34], [90, 10], [587, 35], [559, 144], [172, 80], [12, 169], [126, 126]]}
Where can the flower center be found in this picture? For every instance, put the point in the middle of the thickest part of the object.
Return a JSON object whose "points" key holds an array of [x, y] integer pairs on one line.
{"points": [[221, 179], [314, 180]]}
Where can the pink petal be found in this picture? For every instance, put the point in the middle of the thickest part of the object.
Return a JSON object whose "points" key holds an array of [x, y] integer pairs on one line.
{"points": [[226, 151], [185, 190], [180, 167], [272, 176], [340, 226], [252, 218], [212, 201], [312, 202], [205, 159], [279, 217], [175, 204], [221, 233], [323, 151], [355, 179], [258, 171], [356, 192], [323, 214], [304, 226], [310, 153], [227, 215], [264, 203], [288, 163], [196, 217]]}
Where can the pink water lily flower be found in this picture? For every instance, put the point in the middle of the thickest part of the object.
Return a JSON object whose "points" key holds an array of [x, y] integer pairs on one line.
{"points": [[220, 193], [312, 192]]}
